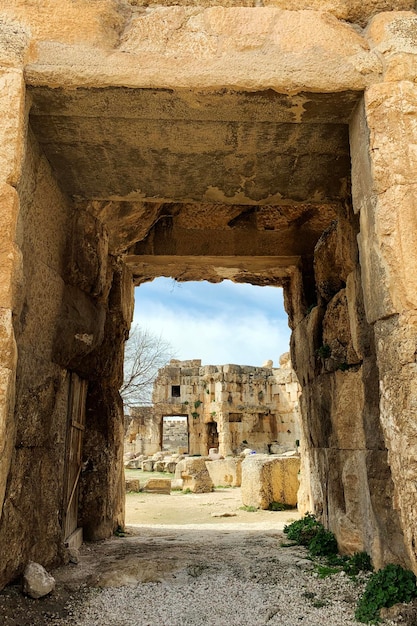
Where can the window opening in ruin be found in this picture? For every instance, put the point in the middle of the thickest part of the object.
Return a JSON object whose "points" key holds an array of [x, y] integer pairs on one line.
{"points": [[176, 391], [212, 435]]}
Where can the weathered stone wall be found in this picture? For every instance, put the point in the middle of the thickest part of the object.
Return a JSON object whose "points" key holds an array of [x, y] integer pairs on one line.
{"points": [[343, 449], [32, 512], [231, 407], [277, 86]]}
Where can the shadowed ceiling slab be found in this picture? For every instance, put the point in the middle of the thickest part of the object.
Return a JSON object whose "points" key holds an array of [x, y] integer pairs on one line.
{"points": [[164, 146]]}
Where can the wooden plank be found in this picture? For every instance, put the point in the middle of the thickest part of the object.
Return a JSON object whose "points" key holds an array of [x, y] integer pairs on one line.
{"points": [[76, 426]]}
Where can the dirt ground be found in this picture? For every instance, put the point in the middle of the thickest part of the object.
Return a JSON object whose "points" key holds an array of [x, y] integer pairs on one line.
{"points": [[163, 536], [221, 507]]}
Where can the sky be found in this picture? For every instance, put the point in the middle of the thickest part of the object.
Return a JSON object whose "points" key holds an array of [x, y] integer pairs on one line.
{"points": [[217, 323]]}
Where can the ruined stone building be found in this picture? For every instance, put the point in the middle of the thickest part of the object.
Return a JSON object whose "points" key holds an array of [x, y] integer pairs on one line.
{"points": [[229, 407], [273, 145]]}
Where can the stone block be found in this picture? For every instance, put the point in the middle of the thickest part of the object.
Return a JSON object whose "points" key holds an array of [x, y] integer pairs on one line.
{"points": [[147, 466], [12, 130], [36, 581], [269, 479], [159, 466], [195, 475], [14, 43], [134, 464], [157, 485], [170, 467], [87, 266], [225, 472], [177, 484], [179, 469], [95, 23], [132, 484]]}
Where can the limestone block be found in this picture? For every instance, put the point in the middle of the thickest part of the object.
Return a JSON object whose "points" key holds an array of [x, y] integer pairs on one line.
{"points": [[9, 209], [396, 340], [12, 129], [36, 581], [387, 238], [147, 466], [132, 484], [336, 331], [177, 484], [80, 326], [96, 23], [269, 479], [359, 330], [391, 112], [195, 475], [225, 472], [14, 42], [133, 464], [7, 426], [229, 40], [170, 467], [8, 351], [179, 469], [87, 267], [157, 485], [11, 276], [393, 33], [159, 466]]}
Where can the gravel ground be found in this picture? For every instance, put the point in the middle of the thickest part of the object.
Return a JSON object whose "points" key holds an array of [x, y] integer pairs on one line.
{"points": [[184, 564], [189, 577]]}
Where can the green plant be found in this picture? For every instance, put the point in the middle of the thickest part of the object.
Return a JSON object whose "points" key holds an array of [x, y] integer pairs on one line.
{"points": [[387, 587], [303, 530], [324, 351], [213, 414], [208, 391], [323, 543], [186, 402], [120, 531], [197, 404], [297, 443], [358, 562], [249, 509], [279, 506], [187, 490], [323, 571], [194, 414]]}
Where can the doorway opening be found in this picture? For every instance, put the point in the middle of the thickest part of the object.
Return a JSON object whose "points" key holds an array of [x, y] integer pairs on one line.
{"points": [[175, 434]]}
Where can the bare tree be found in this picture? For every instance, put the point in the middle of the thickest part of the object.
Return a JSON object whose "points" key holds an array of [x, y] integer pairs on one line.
{"points": [[145, 354]]}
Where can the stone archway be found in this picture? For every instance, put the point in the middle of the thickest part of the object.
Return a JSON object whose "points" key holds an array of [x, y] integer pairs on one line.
{"points": [[208, 143]]}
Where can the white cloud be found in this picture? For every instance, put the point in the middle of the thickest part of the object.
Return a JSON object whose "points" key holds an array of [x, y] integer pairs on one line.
{"points": [[232, 326]]}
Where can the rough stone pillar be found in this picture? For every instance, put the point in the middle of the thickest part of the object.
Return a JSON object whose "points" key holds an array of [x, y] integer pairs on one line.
{"points": [[384, 151], [12, 139], [102, 496]]}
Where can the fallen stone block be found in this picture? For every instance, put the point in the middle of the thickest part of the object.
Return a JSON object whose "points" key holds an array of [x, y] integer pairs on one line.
{"points": [[225, 472], [177, 484], [37, 582], [147, 466], [268, 479], [195, 475], [132, 484], [159, 466], [157, 485], [133, 464], [170, 467]]}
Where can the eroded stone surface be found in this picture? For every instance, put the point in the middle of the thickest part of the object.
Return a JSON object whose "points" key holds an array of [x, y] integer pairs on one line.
{"points": [[208, 142], [269, 479]]}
